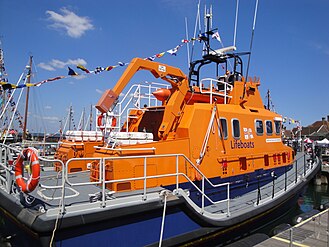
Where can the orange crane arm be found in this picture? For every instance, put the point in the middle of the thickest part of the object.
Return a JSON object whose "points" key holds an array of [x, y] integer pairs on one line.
{"points": [[173, 75]]}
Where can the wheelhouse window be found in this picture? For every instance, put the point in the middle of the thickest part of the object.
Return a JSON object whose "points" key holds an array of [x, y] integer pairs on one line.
{"points": [[277, 127], [259, 127], [236, 128], [269, 127], [223, 128]]}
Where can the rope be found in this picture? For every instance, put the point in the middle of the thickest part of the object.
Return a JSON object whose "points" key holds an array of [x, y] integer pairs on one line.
{"points": [[57, 217], [164, 194]]}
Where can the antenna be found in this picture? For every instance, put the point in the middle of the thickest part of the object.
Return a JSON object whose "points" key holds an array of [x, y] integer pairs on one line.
{"points": [[252, 38], [187, 45], [236, 21], [210, 16], [251, 41], [197, 21]]}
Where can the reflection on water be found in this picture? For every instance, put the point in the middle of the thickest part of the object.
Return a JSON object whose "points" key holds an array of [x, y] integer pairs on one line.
{"points": [[312, 198], [315, 196]]}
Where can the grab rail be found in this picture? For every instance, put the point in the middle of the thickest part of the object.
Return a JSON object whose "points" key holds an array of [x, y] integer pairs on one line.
{"points": [[176, 174], [227, 88], [180, 159]]}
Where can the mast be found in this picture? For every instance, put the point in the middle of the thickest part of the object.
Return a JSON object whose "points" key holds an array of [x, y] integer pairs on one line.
{"points": [[27, 97], [268, 99], [2, 92], [70, 117], [91, 117]]}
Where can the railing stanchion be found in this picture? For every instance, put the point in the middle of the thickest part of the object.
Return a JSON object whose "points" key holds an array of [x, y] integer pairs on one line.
{"points": [[228, 199], [296, 165], [202, 198], [64, 177], [102, 166], [304, 166], [177, 181], [144, 193], [259, 196], [285, 178]]}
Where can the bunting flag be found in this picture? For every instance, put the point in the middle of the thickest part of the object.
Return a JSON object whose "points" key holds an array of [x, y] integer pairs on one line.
{"points": [[79, 66], [8, 86], [216, 36], [108, 68], [290, 121], [72, 72]]}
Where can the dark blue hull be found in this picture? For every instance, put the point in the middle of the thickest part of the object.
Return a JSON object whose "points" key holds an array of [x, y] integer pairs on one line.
{"points": [[239, 185]]}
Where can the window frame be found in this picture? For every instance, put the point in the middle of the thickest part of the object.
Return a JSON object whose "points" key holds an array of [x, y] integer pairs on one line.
{"points": [[233, 128], [269, 133], [275, 126], [256, 128], [225, 130]]}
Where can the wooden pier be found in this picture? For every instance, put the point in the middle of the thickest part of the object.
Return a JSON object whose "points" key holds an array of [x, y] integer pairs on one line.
{"points": [[309, 233]]}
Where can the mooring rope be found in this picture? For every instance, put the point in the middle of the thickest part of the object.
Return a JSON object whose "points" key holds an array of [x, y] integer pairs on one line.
{"points": [[164, 193]]}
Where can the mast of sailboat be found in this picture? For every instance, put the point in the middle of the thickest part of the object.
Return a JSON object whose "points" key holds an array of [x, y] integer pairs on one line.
{"points": [[29, 74], [70, 117], [91, 117]]}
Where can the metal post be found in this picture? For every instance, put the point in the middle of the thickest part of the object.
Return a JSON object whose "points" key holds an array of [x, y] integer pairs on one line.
{"points": [[102, 166], [273, 187], [259, 197], [202, 198], [285, 178], [328, 228], [296, 164], [177, 181], [304, 165], [290, 233], [144, 194], [64, 175], [228, 199]]}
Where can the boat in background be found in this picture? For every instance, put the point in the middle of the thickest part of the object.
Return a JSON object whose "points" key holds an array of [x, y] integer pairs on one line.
{"points": [[203, 159]]}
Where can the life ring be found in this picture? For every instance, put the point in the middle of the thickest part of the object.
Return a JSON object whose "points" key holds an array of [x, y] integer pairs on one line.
{"points": [[100, 121], [33, 181], [114, 122]]}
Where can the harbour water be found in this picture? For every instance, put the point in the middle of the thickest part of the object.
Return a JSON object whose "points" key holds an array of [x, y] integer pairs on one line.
{"points": [[312, 198]]}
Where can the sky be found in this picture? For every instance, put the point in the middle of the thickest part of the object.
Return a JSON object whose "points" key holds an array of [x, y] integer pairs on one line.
{"points": [[290, 49]]}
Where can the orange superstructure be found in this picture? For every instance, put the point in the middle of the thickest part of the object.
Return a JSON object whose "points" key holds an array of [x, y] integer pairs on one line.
{"points": [[215, 128], [223, 134]]}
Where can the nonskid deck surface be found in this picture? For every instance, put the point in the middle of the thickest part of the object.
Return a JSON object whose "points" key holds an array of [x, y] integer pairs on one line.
{"points": [[76, 194]]}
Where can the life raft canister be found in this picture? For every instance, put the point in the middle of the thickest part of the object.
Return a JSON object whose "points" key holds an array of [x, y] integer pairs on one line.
{"points": [[31, 155]]}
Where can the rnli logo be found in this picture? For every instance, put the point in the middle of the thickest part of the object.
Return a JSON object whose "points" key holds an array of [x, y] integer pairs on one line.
{"points": [[237, 144], [162, 68]]}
